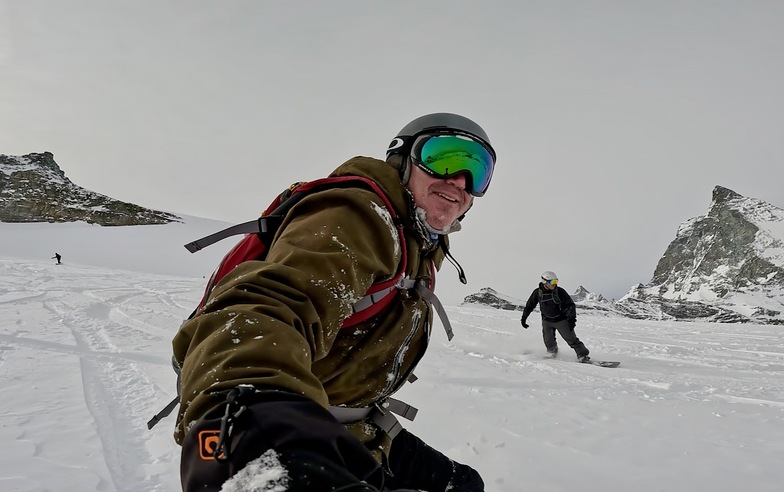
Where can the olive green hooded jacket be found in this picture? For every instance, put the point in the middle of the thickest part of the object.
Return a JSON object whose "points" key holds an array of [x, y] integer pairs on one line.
{"points": [[277, 323]]}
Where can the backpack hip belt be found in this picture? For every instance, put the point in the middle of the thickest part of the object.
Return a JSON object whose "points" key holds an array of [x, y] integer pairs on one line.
{"points": [[380, 413]]}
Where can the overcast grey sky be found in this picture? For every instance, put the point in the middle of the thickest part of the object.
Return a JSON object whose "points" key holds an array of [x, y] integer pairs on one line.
{"points": [[613, 120]]}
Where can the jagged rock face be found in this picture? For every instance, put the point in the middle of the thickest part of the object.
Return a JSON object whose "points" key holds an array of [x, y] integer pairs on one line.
{"points": [[582, 295], [33, 188], [727, 265], [489, 297], [718, 248]]}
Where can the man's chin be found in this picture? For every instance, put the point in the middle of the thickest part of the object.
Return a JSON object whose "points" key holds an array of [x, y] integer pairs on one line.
{"points": [[437, 222], [441, 225]]}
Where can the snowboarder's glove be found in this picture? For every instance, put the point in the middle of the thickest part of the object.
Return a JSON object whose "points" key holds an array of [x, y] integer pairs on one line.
{"points": [[572, 323], [307, 471], [312, 446], [522, 322]]}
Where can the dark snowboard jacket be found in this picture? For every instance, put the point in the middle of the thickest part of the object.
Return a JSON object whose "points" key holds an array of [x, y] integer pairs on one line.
{"points": [[555, 305]]}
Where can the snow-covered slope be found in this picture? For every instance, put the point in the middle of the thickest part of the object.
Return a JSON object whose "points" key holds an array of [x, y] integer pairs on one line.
{"points": [[84, 359]]}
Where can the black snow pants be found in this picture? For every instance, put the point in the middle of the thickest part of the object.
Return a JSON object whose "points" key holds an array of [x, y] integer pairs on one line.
{"points": [[548, 333], [316, 452]]}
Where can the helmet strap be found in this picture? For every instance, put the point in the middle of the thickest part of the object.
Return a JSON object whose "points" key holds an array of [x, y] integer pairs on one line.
{"points": [[405, 170], [403, 166]]}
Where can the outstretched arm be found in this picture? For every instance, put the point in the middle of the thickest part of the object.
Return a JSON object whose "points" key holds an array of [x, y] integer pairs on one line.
{"points": [[530, 305]]}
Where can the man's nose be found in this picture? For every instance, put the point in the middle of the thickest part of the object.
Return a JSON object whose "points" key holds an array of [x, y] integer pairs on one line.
{"points": [[458, 181]]}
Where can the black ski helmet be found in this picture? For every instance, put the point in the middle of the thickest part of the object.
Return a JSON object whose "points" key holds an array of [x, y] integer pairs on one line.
{"points": [[400, 146]]}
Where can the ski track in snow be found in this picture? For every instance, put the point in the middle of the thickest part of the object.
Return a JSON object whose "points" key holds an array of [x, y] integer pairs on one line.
{"points": [[97, 326]]}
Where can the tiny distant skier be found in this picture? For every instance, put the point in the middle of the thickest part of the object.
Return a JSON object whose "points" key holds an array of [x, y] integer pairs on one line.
{"points": [[57, 257], [558, 313]]}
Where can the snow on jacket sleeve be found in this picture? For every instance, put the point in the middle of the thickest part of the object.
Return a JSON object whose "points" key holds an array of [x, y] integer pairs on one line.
{"points": [[266, 322]]}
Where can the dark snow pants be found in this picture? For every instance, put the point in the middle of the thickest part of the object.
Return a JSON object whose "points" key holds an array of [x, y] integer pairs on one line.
{"points": [[317, 452], [548, 333]]}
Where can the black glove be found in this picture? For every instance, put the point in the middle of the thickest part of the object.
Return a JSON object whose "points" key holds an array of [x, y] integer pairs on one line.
{"points": [[572, 323], [417, 466], [522, 322], [311, 472], [318, 453]]}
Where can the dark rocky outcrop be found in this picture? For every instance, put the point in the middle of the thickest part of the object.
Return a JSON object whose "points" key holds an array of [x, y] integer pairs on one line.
{"points": [[489, 297], [33, 188]]}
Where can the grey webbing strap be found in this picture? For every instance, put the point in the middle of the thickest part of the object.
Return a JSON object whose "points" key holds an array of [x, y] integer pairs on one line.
{"points": [[431, 296], [168, 408], [380, 414], [347, 415], [384, 417], [386, 422], [258, 226], [407, 283], [400, 408], [369, 300], [163, 413]]}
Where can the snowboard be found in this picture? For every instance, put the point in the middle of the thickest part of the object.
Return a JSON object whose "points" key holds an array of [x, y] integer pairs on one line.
{"points": [[602, 363]]}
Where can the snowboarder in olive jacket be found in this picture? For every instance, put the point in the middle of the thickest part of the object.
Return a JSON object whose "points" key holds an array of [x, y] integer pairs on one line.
{"points": [[268, 378], [558, 313]]}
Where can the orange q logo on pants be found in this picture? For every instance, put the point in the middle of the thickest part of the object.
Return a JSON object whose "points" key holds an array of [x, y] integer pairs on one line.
{"points": [[208, 443]]}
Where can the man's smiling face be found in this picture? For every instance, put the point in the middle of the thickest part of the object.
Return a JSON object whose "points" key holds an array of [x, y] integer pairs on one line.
{"points": [[444, 200]]}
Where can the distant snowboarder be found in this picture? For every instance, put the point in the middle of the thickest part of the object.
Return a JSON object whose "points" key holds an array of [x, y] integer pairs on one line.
{"points": [[558, 313], [57, 257]]}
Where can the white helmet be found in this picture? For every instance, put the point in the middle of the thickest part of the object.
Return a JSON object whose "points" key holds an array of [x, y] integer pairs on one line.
{"points": [[549, 276]]}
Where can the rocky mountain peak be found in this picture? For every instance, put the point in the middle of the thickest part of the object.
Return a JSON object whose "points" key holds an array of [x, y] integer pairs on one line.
{"points": [[722, 194], [490, 297], [33, 188], [727, 264], [582, 294]]}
